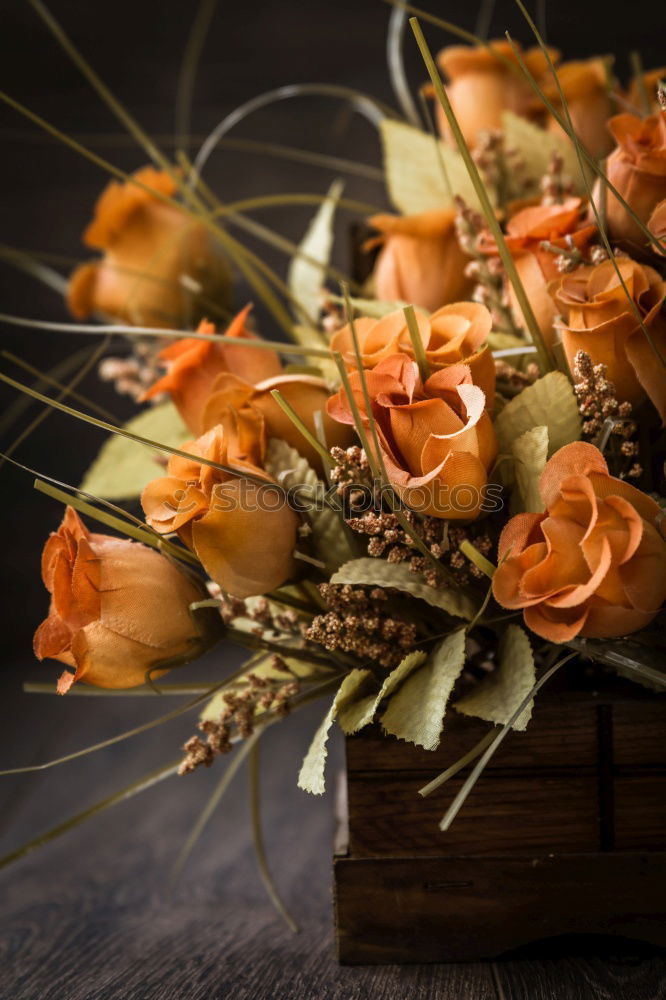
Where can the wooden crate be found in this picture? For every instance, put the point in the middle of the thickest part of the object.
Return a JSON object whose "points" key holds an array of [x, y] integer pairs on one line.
{"points": [[563, 834]]}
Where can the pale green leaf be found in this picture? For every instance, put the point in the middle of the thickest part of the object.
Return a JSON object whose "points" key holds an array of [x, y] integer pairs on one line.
{"points": [[290, 469], [499, 341], [123, 468], [549, 402], [305, 278], [311, 777], [530, 452], [414, 168], [536, 147], [360, 713], [415, 713], [380, 573], [498, 696]]}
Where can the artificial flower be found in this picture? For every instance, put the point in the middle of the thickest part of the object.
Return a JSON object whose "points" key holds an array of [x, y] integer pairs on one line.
{"points": [[594, 564], [598, 318], [563, 227], [657, 226], [421, 261], [118, 609], [637, 169], [306, 394], [457, 333], [158, 262], [240, 526], [436, 440], [193, 366], [646, 85], [586, 91], [485, 81]]}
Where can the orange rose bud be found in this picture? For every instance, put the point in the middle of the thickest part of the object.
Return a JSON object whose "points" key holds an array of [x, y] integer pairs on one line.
{"points": [[420, 261], [483, 85], [437, 442], [306, 394], [157, 261], [586, 91], [560, 225], [457, 333], [598, 319], [594, 564], [118, 608], [637, 168], [193, 365], [647, 83], [243, 532], [657, 226]]}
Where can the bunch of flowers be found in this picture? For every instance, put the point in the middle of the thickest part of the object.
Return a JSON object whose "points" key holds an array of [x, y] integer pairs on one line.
{"points": [[466, 453]]}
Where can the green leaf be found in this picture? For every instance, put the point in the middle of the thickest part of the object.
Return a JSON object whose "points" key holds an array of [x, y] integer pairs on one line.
{"points": [[416, 712], [291, 470], [360, 713], [550, 402], [123, 468], [380, 573], [498, 696], [530, 452], [413, 168], [305, 279], [311, 777], [536, 146]]}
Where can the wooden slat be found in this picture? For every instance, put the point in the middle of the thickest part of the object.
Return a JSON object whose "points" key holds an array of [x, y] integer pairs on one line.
{"points": [[460, 908], [506, 813], [559, 735]]}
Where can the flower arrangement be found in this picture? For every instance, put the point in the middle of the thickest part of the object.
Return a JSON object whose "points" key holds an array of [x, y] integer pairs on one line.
{"points": [[459, 452]]}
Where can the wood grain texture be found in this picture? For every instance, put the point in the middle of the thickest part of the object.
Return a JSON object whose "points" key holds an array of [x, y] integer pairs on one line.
{"points": [[91, 917]]}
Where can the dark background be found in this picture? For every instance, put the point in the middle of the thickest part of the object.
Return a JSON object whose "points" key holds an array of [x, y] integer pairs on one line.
{"points": [[89, 915]]}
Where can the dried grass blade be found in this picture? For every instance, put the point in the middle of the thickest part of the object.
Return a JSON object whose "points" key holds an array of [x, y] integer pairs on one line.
{"points": [[258, 840], [546, 362], [125, 793]]}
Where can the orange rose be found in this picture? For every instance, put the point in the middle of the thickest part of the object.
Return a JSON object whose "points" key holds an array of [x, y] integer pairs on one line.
{"points": [[598, 319], [306, 394], [657, 226], [421, 261], [482, 85], [149, 248], [243, 532], [457, 333], [437, 442], [561, 225], [586, 91], [637, 168], [193, 365], [118, 608], [650, 80], [594, 564]]}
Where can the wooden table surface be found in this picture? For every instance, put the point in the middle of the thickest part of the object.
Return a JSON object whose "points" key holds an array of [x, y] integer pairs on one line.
{"points": [[93, 915]]}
